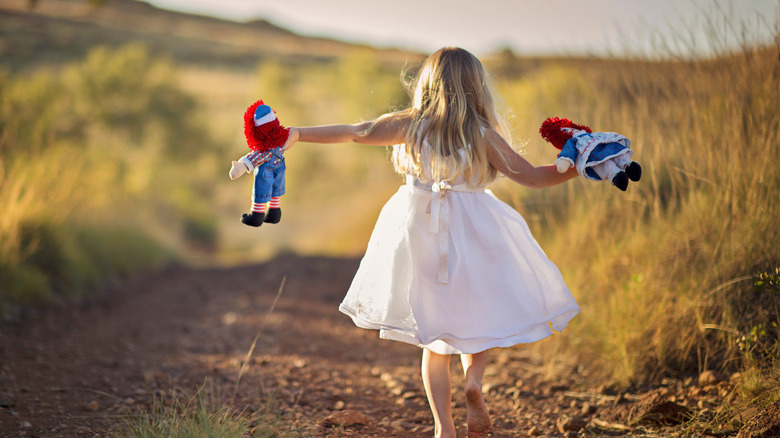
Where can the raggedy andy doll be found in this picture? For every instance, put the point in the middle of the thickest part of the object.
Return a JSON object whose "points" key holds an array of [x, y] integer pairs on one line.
{"points": [[599, 156], [266, 137]]}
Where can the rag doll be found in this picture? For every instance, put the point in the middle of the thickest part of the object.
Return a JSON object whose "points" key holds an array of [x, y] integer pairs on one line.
{"points": [[600, 156], [265, 136]]}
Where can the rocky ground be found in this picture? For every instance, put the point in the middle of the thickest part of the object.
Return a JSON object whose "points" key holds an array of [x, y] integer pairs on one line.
{"points": [[84, 370]]}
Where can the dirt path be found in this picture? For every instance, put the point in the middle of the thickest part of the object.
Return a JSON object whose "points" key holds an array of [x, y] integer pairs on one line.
{"points": [[79, 371]]}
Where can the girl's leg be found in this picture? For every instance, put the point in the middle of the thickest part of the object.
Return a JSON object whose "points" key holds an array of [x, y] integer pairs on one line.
{"points": [[436, 379], [477, 414]]}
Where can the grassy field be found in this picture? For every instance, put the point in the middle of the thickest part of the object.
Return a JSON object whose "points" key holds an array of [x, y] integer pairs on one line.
{"points": [[115, 161], [665, 272]]}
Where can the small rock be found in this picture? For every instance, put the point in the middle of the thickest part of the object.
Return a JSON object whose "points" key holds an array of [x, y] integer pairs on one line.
{"points": [[91, 406], [492, 386], [25, 425], [709, 377], [410, 395], [339, 405], [346, 418], [403, 424], [587, 409], [229, 318], [566, 424], [426, 430], [655, 409]]}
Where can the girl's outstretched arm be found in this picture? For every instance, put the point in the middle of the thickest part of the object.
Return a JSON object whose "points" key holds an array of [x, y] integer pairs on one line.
{"points": [[385, 131], [518, 169]]}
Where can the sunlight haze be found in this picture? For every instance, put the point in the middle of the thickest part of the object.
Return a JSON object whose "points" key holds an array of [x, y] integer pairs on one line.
{"points": [[531, 27]]}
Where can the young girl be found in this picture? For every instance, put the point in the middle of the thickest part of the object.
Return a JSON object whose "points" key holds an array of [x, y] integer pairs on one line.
{"points": [[449, 267]]}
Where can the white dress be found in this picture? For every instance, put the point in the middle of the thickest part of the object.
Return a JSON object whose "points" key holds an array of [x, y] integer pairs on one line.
{"points": [[455, 270]]}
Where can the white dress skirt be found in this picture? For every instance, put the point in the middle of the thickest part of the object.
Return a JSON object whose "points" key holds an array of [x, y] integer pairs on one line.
{"points": [[456, 270]]}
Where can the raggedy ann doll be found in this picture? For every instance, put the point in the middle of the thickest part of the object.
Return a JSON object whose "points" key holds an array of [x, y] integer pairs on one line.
{"points": [[266, 137], [600, 156]]}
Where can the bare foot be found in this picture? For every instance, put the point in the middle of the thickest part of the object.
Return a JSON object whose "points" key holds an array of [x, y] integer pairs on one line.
{"points": [[477, 415]]}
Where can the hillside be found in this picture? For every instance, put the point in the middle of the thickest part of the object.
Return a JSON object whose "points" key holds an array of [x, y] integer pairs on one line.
{"points": [[54, 31]]}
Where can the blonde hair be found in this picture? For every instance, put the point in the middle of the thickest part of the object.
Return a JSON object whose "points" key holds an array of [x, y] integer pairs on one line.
{"points": [[452, 105]]}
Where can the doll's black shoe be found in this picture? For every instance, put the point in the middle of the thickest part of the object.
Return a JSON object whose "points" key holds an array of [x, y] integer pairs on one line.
{"points": [[634, 171], [253, 219], [620, 181], [274, 215]]}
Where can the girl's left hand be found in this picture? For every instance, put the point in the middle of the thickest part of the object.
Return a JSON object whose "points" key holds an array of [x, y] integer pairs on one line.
{"points": [[294, 136]]}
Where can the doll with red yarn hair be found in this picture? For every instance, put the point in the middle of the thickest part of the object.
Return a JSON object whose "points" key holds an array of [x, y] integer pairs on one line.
{"points": [[266, 137], [599, 156]]}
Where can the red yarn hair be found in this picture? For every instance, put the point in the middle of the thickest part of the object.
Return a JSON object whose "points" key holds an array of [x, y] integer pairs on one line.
{"points": [[266, 136], [551, 131]]}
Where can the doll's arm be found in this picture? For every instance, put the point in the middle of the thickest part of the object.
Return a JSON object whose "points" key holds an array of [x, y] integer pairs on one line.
{"points": [[239, 168], [567, 157], [248, 162]]}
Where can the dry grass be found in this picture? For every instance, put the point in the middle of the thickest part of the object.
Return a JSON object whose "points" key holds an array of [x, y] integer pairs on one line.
{"points": [[663, 272]]}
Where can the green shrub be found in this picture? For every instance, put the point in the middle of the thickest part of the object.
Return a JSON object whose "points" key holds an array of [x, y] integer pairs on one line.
{"points": [[110, 140]]}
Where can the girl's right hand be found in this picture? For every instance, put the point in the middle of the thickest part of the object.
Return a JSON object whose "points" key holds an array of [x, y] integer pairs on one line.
{"points": [[294, 136]]}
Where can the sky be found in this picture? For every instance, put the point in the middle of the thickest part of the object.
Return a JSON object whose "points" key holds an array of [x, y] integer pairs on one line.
{"points": [[484, 26]]}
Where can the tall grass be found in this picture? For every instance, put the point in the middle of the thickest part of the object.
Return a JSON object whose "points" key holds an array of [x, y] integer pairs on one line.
{"points": [[664, 272], [104, 170]]}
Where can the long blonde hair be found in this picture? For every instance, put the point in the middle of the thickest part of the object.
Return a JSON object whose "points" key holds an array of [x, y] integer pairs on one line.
{"points": [[452, 104]]}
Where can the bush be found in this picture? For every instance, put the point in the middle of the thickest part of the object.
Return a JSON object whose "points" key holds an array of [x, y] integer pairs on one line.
{"points": [[111, 140]]}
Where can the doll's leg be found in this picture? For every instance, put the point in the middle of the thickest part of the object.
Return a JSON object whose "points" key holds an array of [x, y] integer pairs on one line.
{"points": [[260, 196], [274, 214], [278, 188], [477, 414], [436, 379], [609, 171], [634, 171], [632, 168]]}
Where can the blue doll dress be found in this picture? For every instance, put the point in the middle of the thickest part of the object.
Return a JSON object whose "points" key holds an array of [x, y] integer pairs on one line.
{"points": [[451, 268], [586, 151]]}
